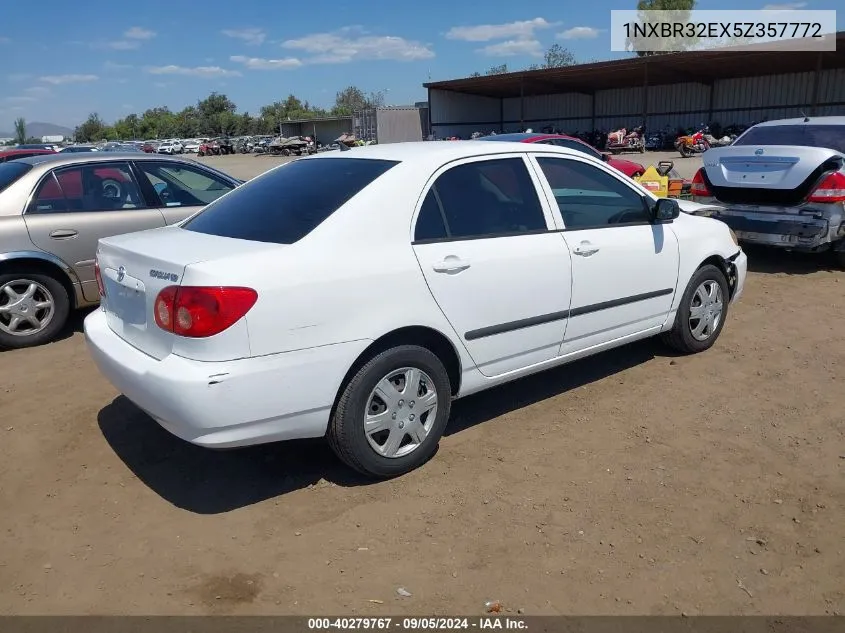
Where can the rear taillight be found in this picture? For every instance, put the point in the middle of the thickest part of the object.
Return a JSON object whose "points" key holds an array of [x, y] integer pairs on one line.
{"points": [[698, 187], [201, 311], [831, 189], [99, 277]]}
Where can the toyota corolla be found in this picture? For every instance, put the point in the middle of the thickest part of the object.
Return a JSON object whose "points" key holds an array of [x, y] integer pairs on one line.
{"points": [[354, 295]]}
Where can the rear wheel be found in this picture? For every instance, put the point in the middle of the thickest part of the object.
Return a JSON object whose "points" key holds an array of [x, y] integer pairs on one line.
{"points": [[33, 309], [701, 315], [392, 413]]}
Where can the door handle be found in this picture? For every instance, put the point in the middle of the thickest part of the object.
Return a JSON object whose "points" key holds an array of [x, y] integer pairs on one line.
{"points": [[585, 249], [63, 234], [451, 264]]}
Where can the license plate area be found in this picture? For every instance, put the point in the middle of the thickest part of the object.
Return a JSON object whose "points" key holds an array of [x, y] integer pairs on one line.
{"points": [[126, 297]]}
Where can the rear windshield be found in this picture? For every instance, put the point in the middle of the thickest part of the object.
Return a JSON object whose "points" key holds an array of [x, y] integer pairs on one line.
{"points": [[287, 204], [10, 171], [808, 135]]}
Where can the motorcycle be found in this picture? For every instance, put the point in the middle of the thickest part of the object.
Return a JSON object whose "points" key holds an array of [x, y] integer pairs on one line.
{"points": [[624, 141], [691, 144]]}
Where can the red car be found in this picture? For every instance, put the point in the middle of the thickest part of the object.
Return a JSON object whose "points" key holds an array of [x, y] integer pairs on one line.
{"points": [[12, 154], [627, 167]]}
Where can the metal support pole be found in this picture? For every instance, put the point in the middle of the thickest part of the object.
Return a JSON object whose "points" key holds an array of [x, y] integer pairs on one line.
{"points": [[521, 104], [593, 112], [645, 95], [502, 115], [816, 81], [710, 104]]}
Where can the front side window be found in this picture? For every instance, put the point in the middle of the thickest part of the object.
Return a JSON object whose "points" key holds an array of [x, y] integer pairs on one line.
{"points": [[286, 204], [99, 187], [182, 185], [589, 197], [487, 198]]}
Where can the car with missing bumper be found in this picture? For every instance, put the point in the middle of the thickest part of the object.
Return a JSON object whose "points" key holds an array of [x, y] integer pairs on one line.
{"points": [[426, 271], [781, 184], [55, 207]]}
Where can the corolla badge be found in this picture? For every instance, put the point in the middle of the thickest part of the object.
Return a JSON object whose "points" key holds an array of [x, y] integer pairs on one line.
{"points": [[159, 274], [758, 152], [121, 273]]}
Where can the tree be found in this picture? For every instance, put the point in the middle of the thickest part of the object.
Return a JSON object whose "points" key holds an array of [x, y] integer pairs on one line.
{"points": [[349, 100], [94, 129], [501, 69], [20, 131], [556, 57], [680, 12]]}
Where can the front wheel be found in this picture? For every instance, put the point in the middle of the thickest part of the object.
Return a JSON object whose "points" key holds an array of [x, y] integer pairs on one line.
{"points": [[392, 413], [702, 312], [33, 309]]}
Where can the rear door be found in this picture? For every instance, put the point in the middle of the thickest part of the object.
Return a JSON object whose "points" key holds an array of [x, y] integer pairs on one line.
{"points": [[500, 274], [181, 189], [624, 268], [73, 207]]}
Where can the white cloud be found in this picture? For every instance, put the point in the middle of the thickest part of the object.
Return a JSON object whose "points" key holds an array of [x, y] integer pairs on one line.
{"points": [[521, 29], [114, 66], [196, 71], [19, 99], [785, 6], [139, 33], [512, 48], [353, 44], [37, 90], [118, 45], [252, 36], [259, 63], [579, 33], [57, 80]]}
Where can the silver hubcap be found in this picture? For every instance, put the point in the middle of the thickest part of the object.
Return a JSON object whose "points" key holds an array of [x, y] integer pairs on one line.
{"points": [[26, 307], [400, 412], [705, 311]]}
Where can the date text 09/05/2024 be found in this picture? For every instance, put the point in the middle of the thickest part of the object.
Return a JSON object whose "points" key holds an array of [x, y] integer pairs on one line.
{"points": [[417, 623]]}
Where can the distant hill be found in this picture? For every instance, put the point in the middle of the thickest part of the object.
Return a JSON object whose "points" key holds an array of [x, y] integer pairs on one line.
{"points": [[38, 130]]}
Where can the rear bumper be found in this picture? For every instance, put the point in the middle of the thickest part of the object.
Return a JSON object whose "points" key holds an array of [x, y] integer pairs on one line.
{"points": [[226, 404], [785, 230]]}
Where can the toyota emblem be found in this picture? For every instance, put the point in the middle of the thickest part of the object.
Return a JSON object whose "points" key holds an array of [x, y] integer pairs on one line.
{"points": [[758, 152], [121, 273]]}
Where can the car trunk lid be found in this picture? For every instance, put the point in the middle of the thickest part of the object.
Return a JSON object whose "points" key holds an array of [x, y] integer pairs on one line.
{"points": [[136, 267], [775, 176]]}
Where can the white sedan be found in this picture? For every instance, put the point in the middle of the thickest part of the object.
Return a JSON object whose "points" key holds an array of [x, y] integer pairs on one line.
{"points": [[424, 272]]}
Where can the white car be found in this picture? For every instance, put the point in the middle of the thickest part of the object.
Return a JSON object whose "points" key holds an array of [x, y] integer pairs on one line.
{"points": [[191, 147], [425, 272], [167, 148]]}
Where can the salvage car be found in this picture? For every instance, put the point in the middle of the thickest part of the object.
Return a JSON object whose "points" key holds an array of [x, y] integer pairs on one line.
{"points": [[53, 209], [781, 184], [426, 271]]}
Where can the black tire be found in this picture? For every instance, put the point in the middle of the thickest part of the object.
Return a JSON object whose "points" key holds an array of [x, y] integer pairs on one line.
{"points": [[346, 433], [839, 258], [680, 337], [61, 309]]}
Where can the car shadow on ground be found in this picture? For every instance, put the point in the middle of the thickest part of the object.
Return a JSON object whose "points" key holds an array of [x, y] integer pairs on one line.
{"points": [[777, 260], [206, 481]]}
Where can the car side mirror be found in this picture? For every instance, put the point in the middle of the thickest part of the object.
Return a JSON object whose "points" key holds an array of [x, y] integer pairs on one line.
{"points": [[605, 157], [665, 210]]}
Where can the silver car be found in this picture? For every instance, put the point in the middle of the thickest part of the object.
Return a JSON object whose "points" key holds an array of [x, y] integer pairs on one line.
{"points": [[781, 183], [55, 207]]}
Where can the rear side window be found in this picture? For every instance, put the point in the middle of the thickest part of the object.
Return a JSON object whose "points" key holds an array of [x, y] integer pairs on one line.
{"points": [[285, 205], [10, 171]]}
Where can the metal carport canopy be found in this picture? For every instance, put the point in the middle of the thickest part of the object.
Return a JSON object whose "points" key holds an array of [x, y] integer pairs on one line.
{"points": [[673, 68]]}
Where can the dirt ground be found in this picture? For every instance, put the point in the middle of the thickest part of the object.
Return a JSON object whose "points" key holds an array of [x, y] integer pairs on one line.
{"points": [[634, 482]]}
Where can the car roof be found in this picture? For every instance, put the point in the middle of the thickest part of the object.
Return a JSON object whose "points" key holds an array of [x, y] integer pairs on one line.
{"points": [[812, 120], [62, 158], [441, 150]]}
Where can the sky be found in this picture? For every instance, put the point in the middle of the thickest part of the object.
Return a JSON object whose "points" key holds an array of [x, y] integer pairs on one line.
{"points": [[63, 60]]}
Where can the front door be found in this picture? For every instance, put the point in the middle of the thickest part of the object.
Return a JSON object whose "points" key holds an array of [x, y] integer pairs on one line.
{"points": [[497, 271], [74, 207], [624, 267], [182, 189]]}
